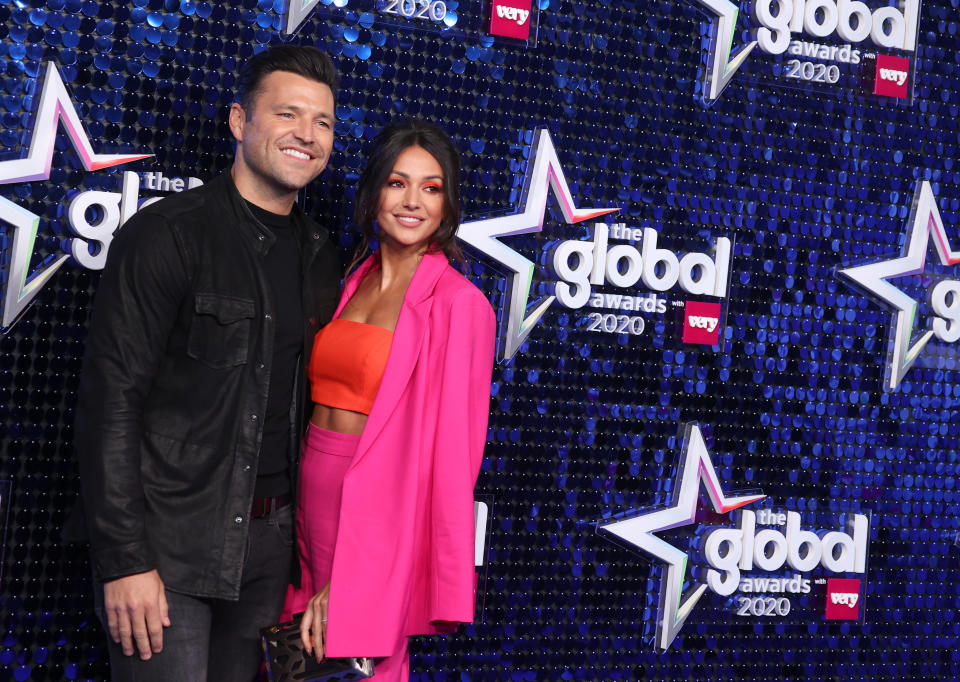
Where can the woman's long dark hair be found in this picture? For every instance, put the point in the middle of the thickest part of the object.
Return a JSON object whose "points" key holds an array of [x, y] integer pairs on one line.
{"points": [[388, 145]]}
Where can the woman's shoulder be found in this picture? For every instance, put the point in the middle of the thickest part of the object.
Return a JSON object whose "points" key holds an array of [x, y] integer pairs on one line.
{"points": [[454, 286]]}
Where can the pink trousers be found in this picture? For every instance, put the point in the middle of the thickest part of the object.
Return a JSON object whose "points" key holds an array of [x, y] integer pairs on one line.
{"points": [[326, 456]]}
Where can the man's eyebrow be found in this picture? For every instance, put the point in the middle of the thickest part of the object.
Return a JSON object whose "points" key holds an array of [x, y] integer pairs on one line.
{"points": [[297, 108]]}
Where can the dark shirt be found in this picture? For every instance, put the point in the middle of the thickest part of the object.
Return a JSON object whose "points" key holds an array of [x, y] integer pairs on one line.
{"points": [[281, 266]]}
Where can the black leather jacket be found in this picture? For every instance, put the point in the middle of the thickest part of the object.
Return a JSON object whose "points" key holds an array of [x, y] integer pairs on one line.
{"points": [[174, 386]]}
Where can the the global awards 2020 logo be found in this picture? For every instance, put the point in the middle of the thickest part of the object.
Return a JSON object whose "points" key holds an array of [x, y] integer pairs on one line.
{"points": [[940, 295], [92, 217], [626, 272], [747, 560], [54, 107], [812, 44]]}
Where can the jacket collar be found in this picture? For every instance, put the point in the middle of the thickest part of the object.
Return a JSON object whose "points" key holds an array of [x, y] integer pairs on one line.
{"points": [[261, 238]]}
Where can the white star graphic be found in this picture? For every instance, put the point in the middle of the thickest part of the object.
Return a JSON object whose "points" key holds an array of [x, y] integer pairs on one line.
{"points": [[54, 106], [720, 67], [299, 10], [545, 173], [695, 468], [872, 278]]}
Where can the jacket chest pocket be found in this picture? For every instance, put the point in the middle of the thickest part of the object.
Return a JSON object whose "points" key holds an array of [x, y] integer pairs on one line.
{"points": [[220, 330]]}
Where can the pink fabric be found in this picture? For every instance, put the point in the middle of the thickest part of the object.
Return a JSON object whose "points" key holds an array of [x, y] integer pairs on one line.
{"points": [[395, 668], [325, 459], [403, 562]]}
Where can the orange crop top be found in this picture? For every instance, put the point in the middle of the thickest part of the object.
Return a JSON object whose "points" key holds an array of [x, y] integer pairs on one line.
{"points": [[347, 364]]}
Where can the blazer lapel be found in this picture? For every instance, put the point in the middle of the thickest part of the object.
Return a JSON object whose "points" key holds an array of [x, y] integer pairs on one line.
{"points": [[407, 340]]}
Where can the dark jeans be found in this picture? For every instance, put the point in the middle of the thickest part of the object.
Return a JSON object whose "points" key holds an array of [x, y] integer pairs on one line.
{"points": [[215, 639]]}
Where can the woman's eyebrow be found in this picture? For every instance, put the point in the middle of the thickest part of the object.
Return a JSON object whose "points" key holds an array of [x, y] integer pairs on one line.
{"points": [[405, 175]]}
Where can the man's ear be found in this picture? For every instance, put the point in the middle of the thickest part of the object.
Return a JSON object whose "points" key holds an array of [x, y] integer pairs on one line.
{"points": [[236, 119]]}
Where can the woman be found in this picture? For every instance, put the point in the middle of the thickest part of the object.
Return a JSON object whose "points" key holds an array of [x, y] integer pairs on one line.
{"points": [[401, 383]]}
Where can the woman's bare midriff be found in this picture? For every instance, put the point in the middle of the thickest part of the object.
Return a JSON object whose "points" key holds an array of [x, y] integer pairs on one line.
{"points": [[340, 421]]}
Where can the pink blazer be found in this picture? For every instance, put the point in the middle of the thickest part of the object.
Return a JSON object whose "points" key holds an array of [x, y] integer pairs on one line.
{"points": [[404, 554]]}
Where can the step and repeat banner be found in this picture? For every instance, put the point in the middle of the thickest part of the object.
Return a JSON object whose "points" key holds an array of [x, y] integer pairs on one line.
{"points": [[723, 242]]}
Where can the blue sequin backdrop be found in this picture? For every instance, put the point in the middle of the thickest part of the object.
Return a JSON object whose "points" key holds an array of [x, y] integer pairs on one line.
{"points": [[584, 425]]}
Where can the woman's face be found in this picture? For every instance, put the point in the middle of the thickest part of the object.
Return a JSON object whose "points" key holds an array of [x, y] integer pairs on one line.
{"points": [[411, 202]]}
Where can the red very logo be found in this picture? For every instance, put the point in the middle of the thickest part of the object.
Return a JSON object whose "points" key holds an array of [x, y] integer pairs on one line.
{"points": [[892, 76], [843, 599], [510, 18], [701, 323]]}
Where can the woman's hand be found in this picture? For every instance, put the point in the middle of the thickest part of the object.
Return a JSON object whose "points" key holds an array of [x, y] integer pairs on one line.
{"points": [[313, 625]]}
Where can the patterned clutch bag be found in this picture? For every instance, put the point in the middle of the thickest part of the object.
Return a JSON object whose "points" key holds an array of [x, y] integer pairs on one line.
{"points": [[287, 661]]}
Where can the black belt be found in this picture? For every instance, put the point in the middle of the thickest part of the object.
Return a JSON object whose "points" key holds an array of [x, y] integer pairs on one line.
{"points": [[262, 506]]}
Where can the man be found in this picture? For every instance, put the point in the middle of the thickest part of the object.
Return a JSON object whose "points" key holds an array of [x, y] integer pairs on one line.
{"points": [[193, 390]]}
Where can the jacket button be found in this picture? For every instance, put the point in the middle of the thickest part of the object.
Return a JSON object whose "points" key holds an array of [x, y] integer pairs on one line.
{"points": [[238, 520], [268, 316], [261, 366], [246, 467], [253, 417], [316, 236], [260, 237]]}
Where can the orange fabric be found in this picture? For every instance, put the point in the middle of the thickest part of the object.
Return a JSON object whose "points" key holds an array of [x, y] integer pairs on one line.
{"points": [[347, 364]]}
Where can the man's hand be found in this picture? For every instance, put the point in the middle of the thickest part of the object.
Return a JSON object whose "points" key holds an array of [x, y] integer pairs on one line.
{"points": [[313, 625], [136, 608]]}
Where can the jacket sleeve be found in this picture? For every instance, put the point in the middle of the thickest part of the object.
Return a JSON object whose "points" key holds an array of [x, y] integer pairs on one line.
{"points": [[461, 435], [137, 303]]}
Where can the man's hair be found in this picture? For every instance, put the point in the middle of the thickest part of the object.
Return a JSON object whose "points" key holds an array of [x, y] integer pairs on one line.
{"points": [[387, 146], [302, 60]]}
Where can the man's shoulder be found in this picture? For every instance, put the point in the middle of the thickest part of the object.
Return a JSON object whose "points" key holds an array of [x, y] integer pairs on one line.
{"points": [[175, 222], [179, 205]]}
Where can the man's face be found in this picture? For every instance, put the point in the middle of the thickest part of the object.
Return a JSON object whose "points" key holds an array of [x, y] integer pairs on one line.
{"points": [[284, 136]]}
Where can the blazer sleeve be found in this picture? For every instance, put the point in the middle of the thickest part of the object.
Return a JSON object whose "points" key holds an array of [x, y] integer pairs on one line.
{"points": [[461, 434]]}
